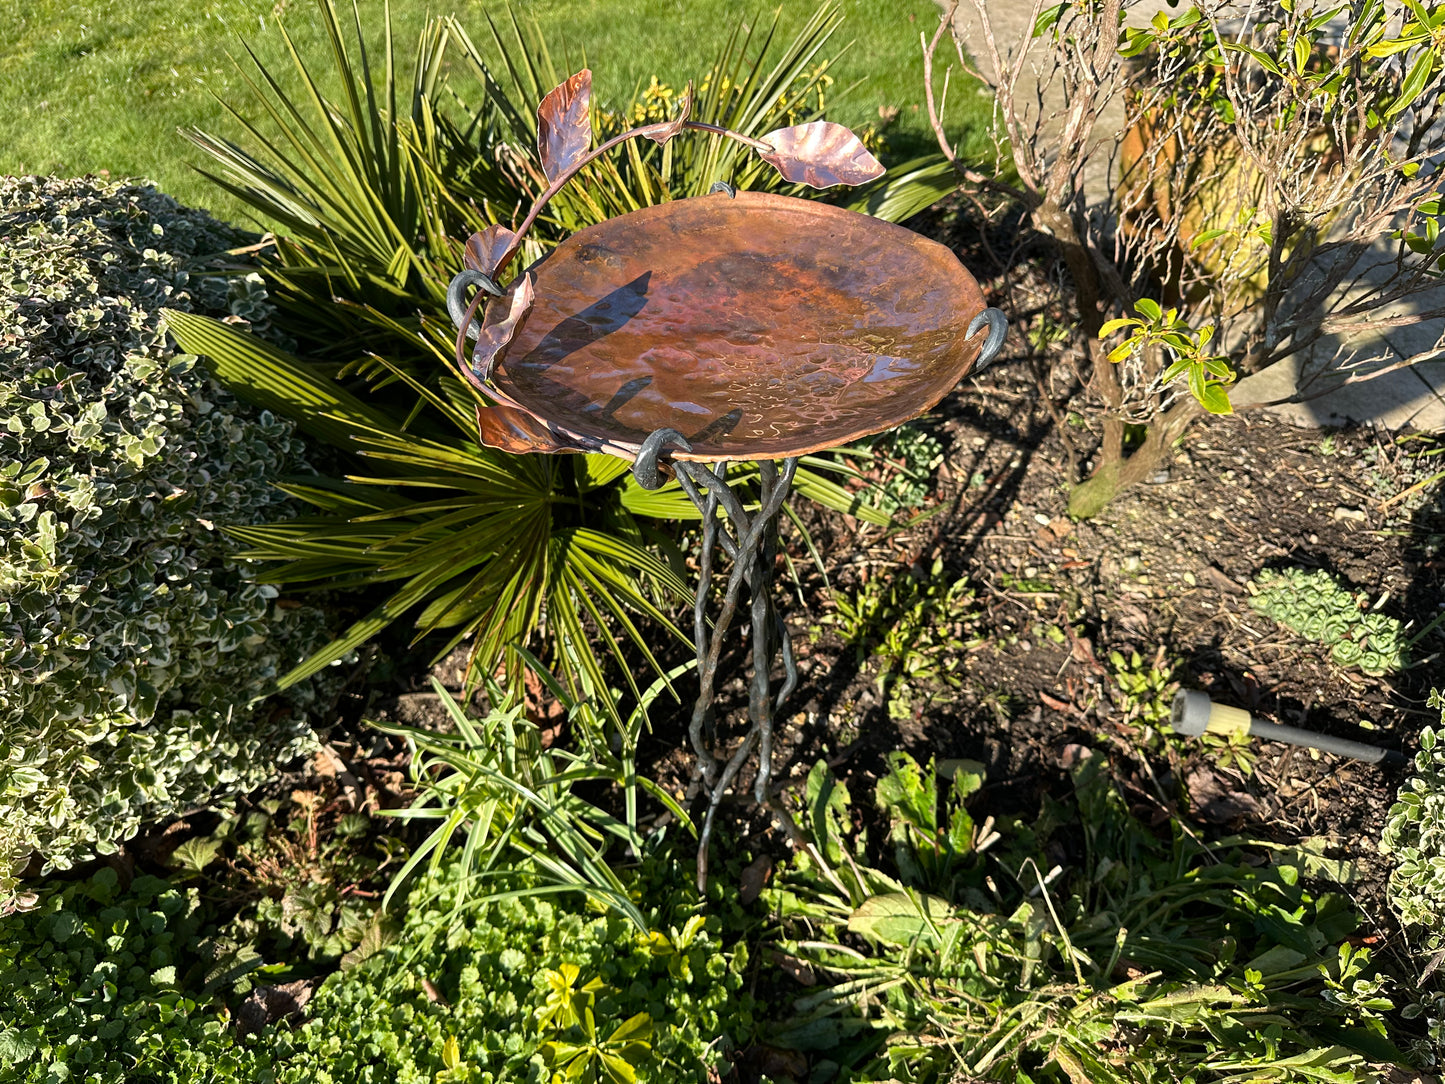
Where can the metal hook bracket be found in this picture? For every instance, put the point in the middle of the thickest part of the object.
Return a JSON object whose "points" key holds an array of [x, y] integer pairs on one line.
{"points": [[457, 302], [997, 329], [644, 467]]}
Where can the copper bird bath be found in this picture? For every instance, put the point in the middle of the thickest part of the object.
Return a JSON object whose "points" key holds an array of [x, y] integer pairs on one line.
{"points": [[736, 326]]}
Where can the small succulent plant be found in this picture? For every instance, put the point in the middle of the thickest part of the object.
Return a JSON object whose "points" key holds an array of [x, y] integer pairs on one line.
{"points": [[907, 457], [1312, 604]]}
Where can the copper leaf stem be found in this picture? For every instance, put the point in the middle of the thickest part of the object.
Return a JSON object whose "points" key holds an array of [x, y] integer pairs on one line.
{"points": [[645, 131]]}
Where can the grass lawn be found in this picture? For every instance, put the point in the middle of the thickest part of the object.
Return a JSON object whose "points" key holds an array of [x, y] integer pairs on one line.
{"points": [[91, 85]]}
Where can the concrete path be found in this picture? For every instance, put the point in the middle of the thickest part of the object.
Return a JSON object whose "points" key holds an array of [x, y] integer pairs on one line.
{"points": [[1413, 397]]}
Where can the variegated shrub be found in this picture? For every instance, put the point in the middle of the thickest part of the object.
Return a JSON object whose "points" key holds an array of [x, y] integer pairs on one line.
{"points": [[133, 649], [1415, 838]]}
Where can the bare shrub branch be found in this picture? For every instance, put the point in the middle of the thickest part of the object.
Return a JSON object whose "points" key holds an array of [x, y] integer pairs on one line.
{"points": [[1267, 180]]}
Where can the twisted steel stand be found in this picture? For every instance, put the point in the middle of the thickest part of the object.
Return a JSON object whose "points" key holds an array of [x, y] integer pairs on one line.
{"points": [[751, 541]]}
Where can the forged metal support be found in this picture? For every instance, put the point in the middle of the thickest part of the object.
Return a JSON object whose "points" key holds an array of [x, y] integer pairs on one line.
{"points": [[751, 541], [457, 303], [997, 329]]}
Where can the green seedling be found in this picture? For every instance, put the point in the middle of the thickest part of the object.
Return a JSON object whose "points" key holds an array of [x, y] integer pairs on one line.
{"points": [[1026, 585], [1045, 331], [916, 626], [1143, 690], [932, 833]]}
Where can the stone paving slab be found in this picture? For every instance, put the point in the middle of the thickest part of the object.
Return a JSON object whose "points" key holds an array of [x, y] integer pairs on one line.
{"points": [[1411, 397]]}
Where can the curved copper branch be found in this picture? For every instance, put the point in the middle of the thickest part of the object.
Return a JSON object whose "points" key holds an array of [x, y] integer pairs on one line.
{"points": [[649, 131], [468, 315]]}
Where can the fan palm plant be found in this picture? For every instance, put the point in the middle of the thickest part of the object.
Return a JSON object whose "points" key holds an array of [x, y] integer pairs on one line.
{"points": [[476, 542], [352, 185], [374, 195]]}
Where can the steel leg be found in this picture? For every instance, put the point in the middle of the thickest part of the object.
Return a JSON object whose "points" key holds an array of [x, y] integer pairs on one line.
{"points": [[751, 541]]}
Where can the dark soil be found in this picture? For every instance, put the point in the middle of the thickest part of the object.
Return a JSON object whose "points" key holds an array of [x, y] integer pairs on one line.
{"points": [[1167, 566]]}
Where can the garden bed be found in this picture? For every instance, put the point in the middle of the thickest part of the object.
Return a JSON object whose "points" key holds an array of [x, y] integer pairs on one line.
{"points": [[1033, 640], [1166, 570], [988, 855]]}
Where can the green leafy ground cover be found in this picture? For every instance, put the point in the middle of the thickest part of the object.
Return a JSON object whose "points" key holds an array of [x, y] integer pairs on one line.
{"points": [[952, 947], [110, 983], [86, 87]]}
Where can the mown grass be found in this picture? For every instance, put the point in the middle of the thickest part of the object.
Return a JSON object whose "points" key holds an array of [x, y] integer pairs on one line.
{"points": [[102, 85]]}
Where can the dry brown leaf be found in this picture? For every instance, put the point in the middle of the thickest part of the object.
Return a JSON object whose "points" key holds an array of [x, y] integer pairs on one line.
{"points": [[1220, 582], [1215, 802], [1081, 648], [796, 968], [1072, 755], [1135, 619], [780, 1065], [268, 1004], [1055, 704]]}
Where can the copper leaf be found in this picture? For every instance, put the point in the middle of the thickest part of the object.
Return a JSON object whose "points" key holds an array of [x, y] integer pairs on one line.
{"points": [[564, 127], [497, 330], [511, 429], [821, 154], [485, 250], [660, 134]]}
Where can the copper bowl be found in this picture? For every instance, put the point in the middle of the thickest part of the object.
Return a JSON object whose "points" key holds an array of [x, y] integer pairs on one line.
{"points": [[757, 325]]}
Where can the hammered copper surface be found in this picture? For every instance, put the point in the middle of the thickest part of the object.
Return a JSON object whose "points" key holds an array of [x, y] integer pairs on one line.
{"points": [[758, 327]]}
